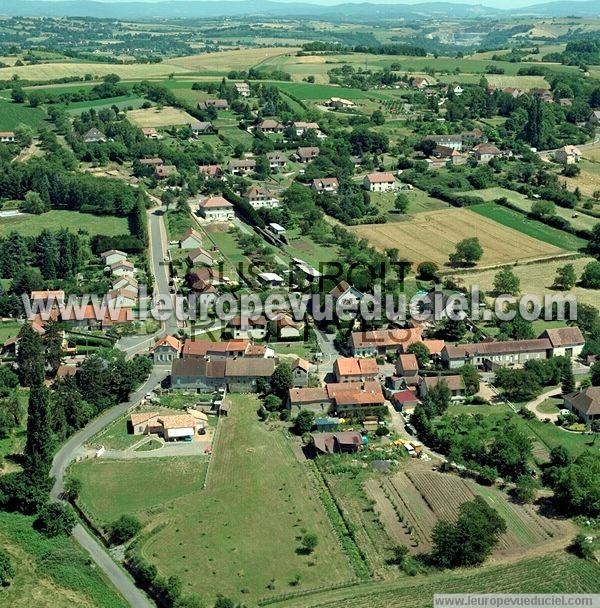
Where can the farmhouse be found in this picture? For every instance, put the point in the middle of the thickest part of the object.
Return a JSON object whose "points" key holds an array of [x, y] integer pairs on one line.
{"points": [[270, 279], [268, 125], [7, 137], [567, 155], [202, 128], [351, 397], [449, 141], [166, 350], [276, 160], [287, 328], [490, 354], [333, 443], [339, 102], [94, 136], [593, 118], [420, 82], [379, 182], [150, 133], [249, 328], [455, 383], [190, 239], [200, 256], [585, 403], [485, 152], [305, 154], [260, 197], [201, 349], [383, 341], [199, 278], [325, 184], [346, 295], [302, 127], [164, 171], [151, 162], [121, 297], [218, 104], [445, 153], [314, 399], [216, 209], [241, 166], [349, 369]]}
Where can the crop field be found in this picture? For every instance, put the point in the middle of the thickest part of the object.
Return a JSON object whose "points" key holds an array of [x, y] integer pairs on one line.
{"points": [[163, 117], [319, 92], [138, 486], [588, 181], [432, 236], [224, 61], [52, 71], [31, 225], [14, 114], [51, 572], [555, 573], [576, 219], [123, 101], [424, 497], [221, 539], [537, 230]]}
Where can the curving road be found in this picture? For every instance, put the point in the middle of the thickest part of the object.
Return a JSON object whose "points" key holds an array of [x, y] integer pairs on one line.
{"points": [[67, 454]]}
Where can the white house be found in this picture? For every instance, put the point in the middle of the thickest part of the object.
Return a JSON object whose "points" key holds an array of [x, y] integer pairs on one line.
{"points": [[191, 239], [260, 197], [7, 137], [271, 279], [200, 256], [276, 229], [380, 181], [216, 209], [122, 268], [567, 155]]}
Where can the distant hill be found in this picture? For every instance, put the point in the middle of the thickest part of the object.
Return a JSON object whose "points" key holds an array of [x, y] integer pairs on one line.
{"points": [[232, 8]]}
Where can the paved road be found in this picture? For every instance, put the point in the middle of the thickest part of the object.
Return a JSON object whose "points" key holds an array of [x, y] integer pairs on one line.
{"points": [[63, 458]]}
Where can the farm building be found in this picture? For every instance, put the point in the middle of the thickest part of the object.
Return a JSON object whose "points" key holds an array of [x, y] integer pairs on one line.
{"points": [[567, 155], [7, 137], [449, 141]]}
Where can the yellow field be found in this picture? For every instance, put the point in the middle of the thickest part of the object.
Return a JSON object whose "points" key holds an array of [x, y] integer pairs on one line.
{"points": [[432, 236], [50, 71], [165, 117], [588, 180], [591, 152], [536, 279], [229, 60]]}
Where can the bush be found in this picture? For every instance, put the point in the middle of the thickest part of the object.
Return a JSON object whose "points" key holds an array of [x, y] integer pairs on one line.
{"points": [[7, 572], [55, 519], [124, 529]]}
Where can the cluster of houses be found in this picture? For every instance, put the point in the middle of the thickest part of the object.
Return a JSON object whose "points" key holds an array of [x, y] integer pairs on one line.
{"points": [[456, 148]]}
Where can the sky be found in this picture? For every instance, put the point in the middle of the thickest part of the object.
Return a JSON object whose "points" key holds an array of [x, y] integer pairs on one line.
{"points": [[493, 3]]}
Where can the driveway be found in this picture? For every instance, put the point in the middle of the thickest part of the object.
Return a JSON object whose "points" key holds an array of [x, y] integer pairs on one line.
{"points": [[193, 448], [533, 405]]}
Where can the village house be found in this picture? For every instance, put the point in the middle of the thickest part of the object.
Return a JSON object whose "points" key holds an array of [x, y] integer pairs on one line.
{"points": [[242, 88], [513, 92], [269, 125], [171, 427], [121, 297], [202, 128], [94, 136], [288, 328], [164, 171], [485, 152], [112, 256], [404, 401], [122, 268], [407, 365], [567, 155], [270, 279], [201, 349], [166, 350], [200, 256], [383, 341], [446, 154], [379, 181], [565, 341], [218, 104], [199, 278], [349, 369], [314, 399], [585, 403], [302, 127], [325, 184], [309, 272], [347, 296], [593, 119], [351, 399], [241, 166], [191, 239], [305, 154], [277, 229], [348, 442], [300, 372], [455, 383], [260, 197], [276, 160], [216, 209], [126, 282], [474, 136], [211, 170], [150, 133], [339, 103], [7, 137], [249, 328]]}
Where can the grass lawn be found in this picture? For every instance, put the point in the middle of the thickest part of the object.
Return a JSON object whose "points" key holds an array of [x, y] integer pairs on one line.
{"points": [[418, 201], [14, 114], [8, 329], [115, 436], [180, 401], [14, 442], [317, 92], [550, 406], [31, 225], [178, 223], [303, 247], [533, 228], [243, 530], [292, 349], [141, 487], [236, 136], [51, 572]]}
